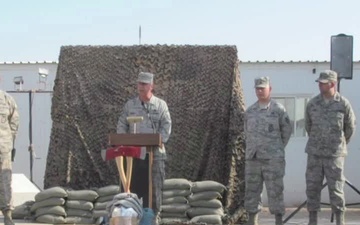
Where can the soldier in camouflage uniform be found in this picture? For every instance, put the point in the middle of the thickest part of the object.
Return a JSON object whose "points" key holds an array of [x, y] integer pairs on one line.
{"points": [[8, 129], [156, 120], [330, 123], [267, 130]]}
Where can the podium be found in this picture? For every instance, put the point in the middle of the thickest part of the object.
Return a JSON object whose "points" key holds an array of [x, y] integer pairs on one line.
{"points": [[150, 141]]}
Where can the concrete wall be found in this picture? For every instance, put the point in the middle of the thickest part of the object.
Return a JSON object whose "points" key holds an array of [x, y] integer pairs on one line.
{"points": [[299, 79]]}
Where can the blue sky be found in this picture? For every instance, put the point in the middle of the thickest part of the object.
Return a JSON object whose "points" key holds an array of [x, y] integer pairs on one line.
{"points": [[260, 29]]}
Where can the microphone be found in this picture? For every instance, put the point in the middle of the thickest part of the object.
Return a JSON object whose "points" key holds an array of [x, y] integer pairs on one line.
{"points": [[148, 115]]}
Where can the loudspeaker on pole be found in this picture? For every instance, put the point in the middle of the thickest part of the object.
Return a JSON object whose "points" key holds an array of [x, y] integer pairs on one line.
{"points": [[342, 55]]}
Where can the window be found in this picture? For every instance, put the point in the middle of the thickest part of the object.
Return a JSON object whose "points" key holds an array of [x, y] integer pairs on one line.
{"points": [[295, 106]]}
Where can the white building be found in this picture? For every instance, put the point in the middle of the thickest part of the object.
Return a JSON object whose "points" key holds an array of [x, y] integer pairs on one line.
{"points": [[293, 84], [41, 113]]}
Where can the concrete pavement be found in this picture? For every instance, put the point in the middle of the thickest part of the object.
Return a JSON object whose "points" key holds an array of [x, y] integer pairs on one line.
{"points": [[265, 218], [352, 217]]}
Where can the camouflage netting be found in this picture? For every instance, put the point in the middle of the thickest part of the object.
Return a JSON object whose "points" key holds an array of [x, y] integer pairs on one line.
{"points": [[202, 87]]}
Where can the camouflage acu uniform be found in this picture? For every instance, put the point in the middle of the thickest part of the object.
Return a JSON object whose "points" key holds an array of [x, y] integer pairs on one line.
{"points": [[330, 126], [8, 129], [268, 131], [160, 116]]}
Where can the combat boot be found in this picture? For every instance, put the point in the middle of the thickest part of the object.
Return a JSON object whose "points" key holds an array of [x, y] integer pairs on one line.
{"points": [[253, 219], [278, 219], [340, 218], [8, 218], [313, 218]]}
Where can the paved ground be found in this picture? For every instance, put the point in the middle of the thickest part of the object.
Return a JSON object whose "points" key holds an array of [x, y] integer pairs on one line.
{"points": [[28, 223], [265, 218], [301, 218]]}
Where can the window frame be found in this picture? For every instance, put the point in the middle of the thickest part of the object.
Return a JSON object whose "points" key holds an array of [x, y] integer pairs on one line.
{"points": [[295, 97]]}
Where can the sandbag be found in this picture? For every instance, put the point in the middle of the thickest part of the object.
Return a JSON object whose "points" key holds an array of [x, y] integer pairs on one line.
{"points": [[206, 195], [207, 185], [200, 211], [52, 219], [79, 213], [177, 199], [214, 203], [176, 183], [175, 208], [209, 219], [99, 213], [53, 210], [107, 198], [22, 211], [100, 205], [79, 204], [86, 195], [173, 220], [47, 202], [108, 190], [79, 220], [174, 193], [54, 192], [173, 215]]}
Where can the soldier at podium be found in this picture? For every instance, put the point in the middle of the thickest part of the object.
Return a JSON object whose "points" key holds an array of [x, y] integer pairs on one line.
{"points": [[156, 120]]}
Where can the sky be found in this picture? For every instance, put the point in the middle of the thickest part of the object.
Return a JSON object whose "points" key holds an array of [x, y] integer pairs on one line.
{"points": [[260, 29]]}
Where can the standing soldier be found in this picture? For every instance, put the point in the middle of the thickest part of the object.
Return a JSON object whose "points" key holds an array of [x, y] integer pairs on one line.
{"points": [[330, 123], [156, 120], [267, 130], [8, 129]]}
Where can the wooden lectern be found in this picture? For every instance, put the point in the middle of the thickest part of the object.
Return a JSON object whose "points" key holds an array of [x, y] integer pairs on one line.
{"points": [[140, 139]]}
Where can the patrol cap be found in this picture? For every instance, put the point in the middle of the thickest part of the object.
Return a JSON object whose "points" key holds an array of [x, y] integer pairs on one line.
{"points": [[262, 82], [145, 77], [327, 76]]}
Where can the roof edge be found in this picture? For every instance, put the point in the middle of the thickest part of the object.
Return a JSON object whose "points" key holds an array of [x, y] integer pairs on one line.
{"points": [[241, 61], [27, 62], [291, 61]]}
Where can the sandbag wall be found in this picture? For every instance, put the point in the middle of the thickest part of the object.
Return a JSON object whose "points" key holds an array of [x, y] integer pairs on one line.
{"points": [[183, 201], [194, 202], [49, 206], [58, 205]]}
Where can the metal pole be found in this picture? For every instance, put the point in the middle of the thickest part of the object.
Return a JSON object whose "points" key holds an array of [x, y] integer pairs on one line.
{"points": [[30, 137], [30, 148]]}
